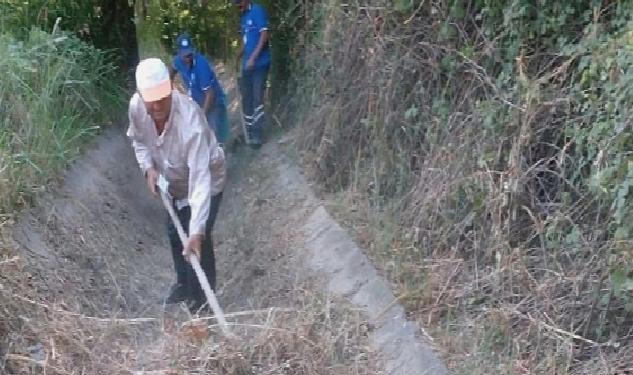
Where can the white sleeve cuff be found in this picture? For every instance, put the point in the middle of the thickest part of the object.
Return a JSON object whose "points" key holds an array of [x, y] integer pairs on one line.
{"points": [[196, 228], [146, 165]]}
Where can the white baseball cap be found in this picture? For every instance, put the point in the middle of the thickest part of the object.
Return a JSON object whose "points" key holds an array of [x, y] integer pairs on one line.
{"points": [[152, 79]]}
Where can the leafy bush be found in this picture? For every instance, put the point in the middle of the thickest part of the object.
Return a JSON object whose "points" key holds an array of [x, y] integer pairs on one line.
{"points": [[105, 24]]}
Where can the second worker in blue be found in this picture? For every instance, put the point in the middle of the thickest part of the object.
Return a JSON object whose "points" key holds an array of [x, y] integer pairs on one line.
{"points": [[255, 55], [202, 85]]}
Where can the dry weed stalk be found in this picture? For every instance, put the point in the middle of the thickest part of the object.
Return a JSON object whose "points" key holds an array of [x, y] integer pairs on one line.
{"points": [[42, 337]]}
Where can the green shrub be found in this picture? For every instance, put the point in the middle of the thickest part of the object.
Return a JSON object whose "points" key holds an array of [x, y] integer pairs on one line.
{"points": [[55, 92]]}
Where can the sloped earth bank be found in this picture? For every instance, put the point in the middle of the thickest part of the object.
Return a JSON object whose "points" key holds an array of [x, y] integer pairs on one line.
{"points": [[84, 295]]}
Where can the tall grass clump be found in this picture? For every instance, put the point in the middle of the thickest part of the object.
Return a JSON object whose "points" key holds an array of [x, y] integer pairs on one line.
{"points": [[55, 92], [485, 147]]}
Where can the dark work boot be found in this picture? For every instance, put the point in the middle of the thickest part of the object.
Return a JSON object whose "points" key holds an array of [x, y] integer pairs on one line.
{"points": [[177, 293], [198, 306]]}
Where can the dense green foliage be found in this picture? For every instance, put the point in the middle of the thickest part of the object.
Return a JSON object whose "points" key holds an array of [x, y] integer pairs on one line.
{"points": [[212, 24], [56, 89], [106, 24]]}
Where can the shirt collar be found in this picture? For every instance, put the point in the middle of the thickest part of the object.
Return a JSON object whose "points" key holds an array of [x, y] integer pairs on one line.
{"points": [[193, 62], [169, 122]]}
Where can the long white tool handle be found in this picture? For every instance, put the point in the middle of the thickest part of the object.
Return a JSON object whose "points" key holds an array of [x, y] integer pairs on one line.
{"points": [[202, 278]]}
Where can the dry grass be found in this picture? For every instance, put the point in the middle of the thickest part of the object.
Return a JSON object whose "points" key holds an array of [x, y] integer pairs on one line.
{"points": [[42, 336], [492, 244]]}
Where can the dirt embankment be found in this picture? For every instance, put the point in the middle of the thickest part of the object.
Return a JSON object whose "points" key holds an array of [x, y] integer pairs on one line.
{"points": [[94, 264]]}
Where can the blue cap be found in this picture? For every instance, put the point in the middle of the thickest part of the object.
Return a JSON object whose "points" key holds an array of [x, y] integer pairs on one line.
{"points": [[185, 44]]}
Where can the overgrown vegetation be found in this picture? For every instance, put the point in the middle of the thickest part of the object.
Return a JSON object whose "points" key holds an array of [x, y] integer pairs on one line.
{"points": [[483, 146], [55, 92], [105, 24], [486, 145], [213, 23], [61, 82], [318, 339]]}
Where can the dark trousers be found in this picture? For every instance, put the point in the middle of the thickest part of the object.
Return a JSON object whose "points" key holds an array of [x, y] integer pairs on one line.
{"points": [[253, 88], [185, 274]]}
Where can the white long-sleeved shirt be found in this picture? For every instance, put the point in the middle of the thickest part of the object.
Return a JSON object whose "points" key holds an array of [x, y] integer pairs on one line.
{"points": [[187, 154]]}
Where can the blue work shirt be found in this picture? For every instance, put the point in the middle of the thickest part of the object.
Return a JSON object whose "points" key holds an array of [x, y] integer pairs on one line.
{"points": [[199, 78], [253, 21]]}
